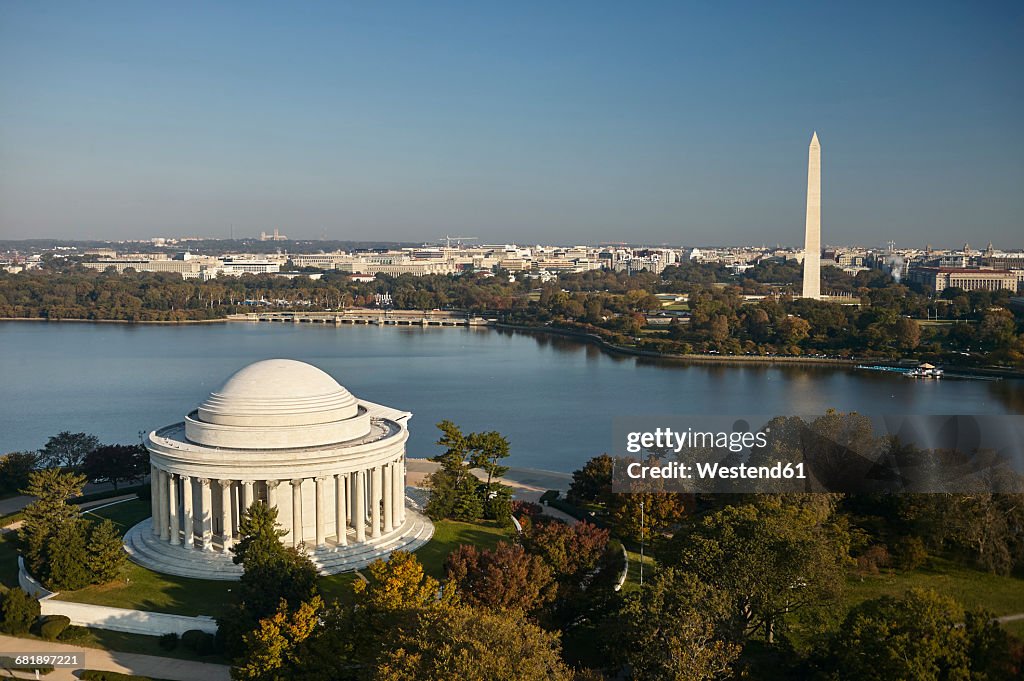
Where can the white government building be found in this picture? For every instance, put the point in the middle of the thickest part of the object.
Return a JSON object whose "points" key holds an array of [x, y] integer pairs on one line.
{"points": [[285, 433]]}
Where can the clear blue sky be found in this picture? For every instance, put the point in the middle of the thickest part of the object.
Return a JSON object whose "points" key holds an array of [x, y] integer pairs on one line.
{"points": [[682, 123]]}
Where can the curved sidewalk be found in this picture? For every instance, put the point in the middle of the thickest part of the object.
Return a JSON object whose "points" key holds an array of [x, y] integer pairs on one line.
{"points": [[112, 661]]}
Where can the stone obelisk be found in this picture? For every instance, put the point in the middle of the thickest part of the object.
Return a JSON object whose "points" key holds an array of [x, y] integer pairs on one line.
{"points": [[812, 233]]}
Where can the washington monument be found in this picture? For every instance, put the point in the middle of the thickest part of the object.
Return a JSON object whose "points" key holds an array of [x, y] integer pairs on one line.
{"points": [[812, 233]]}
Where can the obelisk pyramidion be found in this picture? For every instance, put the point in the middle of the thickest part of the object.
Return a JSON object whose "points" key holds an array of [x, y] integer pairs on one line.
{"points": [[812, 234]]}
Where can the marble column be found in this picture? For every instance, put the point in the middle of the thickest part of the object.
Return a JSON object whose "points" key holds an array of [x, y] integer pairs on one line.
{"points": [[172, 516], [402, 473], [375, 503], [296, 512], [360, 506], [206, 513], [272, 493], [340, 503], [154, 498], [319, 508], [189, 524], [246, 495], [399, 497], [225, 515], [388, 475], [162, 507]]}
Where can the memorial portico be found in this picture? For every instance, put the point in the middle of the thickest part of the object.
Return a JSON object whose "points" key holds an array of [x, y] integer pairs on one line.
{"points": [[286, 434]]}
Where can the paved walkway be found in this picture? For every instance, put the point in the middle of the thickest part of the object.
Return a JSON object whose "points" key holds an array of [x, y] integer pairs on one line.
{"points": [[88, 505], [111, 661]]}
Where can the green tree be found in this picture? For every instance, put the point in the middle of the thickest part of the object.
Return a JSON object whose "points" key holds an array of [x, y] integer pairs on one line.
{"points": [[15, 469], [675, 629], [68, 449], [593, 482], [462, 643], [48, 514], [453, 488], [116, 464], [921, 636], [18, 611], [66, 567], [774, 557], [106, 556], [272, 573]]}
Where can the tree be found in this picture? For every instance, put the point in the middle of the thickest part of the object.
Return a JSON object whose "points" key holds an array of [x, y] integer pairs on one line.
{"points": [[453, 488], [15, 469], [458, 642], [505, 578], [593, 482], [18, 611], [569, 550], [675, 629], [68, 449], [908, 333], [274, 649], [66, 567], [50, 512], [485, 451], [921, 635], [274, 573], [774, 557], [106, 556], [116, 463]]}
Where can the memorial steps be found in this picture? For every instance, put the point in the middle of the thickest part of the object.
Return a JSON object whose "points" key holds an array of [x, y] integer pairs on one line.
{"points": [[152, 553]]}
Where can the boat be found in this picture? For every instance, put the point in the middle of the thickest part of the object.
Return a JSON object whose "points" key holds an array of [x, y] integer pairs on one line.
{"points": [[925, 371]]}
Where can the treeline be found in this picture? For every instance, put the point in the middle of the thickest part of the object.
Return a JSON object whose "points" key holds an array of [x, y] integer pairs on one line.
{"points": [[79, 293], [615, 305]]}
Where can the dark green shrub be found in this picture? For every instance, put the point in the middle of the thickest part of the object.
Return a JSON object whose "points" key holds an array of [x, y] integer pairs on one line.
{"points": [[169, 641], [207, 644], [190, 639], [93, 675], [549, 496], [73, 634], [52, 626], [18, 611]]}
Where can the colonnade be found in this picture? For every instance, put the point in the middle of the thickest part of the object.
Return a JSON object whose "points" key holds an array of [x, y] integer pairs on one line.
{"points": [[190, 511]]}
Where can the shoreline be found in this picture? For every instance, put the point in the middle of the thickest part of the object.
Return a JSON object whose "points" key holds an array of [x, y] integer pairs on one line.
{"points": [[113, 321], [610, 348]]}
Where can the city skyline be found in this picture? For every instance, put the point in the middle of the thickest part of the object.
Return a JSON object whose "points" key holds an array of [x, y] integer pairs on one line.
{"points": [[585, 124]]}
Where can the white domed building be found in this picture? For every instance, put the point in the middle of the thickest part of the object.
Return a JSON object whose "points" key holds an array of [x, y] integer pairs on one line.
{"points": [[285, 433]]}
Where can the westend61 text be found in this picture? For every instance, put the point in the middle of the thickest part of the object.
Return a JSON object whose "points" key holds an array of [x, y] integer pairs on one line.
{"points": [[714, 471]]}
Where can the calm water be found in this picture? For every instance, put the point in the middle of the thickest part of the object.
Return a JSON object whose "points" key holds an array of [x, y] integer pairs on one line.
{"points": [[553, 398]]}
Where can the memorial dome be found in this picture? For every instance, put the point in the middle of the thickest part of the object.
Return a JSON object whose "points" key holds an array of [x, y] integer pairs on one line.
{"points": [[278, 403]]}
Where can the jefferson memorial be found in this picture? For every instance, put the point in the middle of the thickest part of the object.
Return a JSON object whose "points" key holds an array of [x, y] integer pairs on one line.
{"points": [[287, 434]]}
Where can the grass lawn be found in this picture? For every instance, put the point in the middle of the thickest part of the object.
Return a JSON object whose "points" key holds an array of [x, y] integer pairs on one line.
{"points": [[970, 587], [124, 514], [449, 534], [633, 571], [337, 586], [143, 589]]}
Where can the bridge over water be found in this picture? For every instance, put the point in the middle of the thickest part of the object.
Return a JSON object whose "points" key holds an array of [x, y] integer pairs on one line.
{"points": [[361, 316]]}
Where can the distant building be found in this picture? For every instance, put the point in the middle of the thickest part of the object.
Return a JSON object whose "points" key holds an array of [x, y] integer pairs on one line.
{"points": [[938, 279]]}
